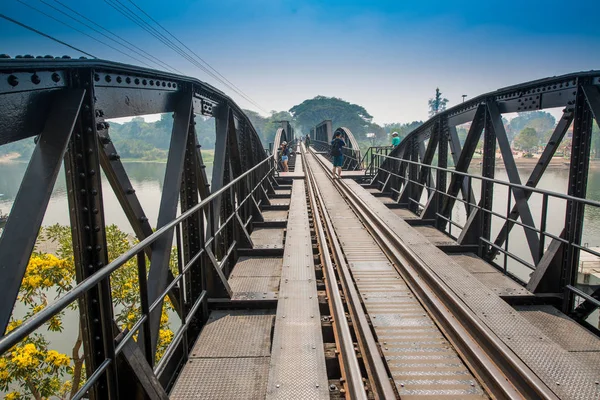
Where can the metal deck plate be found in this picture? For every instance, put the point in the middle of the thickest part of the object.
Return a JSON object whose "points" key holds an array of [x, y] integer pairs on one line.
{"points": [[501, 284], [434, 235], [230, 359], [280, 202], [257, 266], [267, 237], [275, 215], [405, 213], [472, 263], [222, 378], [552, 363], [235, 334], [387, 200], [561, 329], [247, 287], [297, 368]]}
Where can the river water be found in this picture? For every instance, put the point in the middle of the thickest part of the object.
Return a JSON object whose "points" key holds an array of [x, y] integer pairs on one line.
{"points": [[146, 178]]}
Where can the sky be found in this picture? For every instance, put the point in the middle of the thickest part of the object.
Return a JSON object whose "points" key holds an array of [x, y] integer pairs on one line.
{"points": [[388, 56]]}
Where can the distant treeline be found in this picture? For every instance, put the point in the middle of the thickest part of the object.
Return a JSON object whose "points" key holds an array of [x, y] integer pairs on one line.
{"points": [[138, 139]]}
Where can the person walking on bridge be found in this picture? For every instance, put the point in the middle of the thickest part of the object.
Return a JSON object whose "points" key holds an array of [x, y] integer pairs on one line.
{"points": [[395, 139], [285, 153], [336, 152]]}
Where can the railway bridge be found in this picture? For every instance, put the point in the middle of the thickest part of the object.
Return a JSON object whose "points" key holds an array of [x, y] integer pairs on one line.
{"points": [[418, 275]]}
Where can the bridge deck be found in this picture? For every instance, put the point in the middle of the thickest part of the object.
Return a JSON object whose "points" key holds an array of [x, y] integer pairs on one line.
{"points": [[280, 352]]}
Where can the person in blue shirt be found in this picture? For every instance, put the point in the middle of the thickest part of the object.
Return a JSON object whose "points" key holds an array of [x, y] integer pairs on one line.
{"points": [[395, 139], [336, 152], [285, 153]]}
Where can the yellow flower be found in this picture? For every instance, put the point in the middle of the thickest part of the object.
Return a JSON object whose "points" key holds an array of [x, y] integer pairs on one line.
{"points": [[164, 318], [57, 359], [14, 325], [12, 396], [165, 335]]}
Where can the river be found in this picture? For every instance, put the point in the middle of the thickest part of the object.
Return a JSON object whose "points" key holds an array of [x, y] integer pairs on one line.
{"points": [[146, 178]]}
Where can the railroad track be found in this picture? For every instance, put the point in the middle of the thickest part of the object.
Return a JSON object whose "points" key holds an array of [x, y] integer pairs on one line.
{"points": [[399, 331]]}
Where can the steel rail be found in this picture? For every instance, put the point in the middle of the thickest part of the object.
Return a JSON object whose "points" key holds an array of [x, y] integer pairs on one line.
{"points": [[500, 370], [350, 361], [376, 369]]}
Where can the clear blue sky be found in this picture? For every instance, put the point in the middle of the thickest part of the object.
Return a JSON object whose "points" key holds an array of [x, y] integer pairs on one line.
{"points": [[388, 56]]}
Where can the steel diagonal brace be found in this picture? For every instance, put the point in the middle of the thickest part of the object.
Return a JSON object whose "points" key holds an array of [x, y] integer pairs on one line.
{"points": [[21, 229], [464, 160], [513, 176], [119, 181], [537, 173], [455, 149], [592, 94], [161, 250]]}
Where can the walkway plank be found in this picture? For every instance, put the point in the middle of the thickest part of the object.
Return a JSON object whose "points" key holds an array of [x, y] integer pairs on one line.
{"points": [[297, 369]]}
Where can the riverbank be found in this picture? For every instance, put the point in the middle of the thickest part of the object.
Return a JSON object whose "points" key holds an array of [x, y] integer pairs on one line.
{"points": [[9, 158], [555, 162]]}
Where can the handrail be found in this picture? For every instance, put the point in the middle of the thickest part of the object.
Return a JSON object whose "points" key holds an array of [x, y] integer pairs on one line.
{"points": [[485, 243], [36, 321], [505, 183]]}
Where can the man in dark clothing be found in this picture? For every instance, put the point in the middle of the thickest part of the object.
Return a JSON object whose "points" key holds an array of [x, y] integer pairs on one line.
{"points": [[338, 157]]}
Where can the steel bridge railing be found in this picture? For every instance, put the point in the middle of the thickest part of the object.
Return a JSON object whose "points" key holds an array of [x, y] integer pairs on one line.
{"points": [[222, 238], [370, 162], [487, 248]]}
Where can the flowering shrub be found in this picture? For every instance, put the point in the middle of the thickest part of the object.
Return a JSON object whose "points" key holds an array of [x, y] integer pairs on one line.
{"points": [[32, 369]]}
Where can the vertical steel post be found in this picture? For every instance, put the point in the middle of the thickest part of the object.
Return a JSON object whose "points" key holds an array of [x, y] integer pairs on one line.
{"points": [[487, 170], [578, 176], [192, 230], [84, 187], [442, 176]]}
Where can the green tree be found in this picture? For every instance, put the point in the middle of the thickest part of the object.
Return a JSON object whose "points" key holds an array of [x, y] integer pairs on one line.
{"points": [[541, 121], [311, 112], [437, 104], [527, 140]]}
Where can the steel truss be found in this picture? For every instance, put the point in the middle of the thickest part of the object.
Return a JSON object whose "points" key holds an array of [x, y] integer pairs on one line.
{"points": [[65, 103], [411, 175]]}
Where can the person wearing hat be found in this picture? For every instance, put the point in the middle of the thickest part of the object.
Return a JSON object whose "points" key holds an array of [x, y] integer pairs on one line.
{"points": [[395, 139], [285, 152]]}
